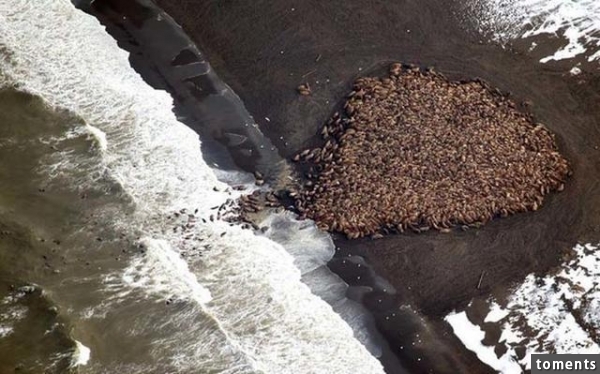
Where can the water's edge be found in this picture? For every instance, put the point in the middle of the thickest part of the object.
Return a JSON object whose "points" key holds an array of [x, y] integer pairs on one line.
{"points": [[122, 198], [167, 59]]}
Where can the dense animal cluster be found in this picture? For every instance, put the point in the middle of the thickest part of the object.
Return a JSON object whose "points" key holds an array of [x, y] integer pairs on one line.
{"points": [[257, 201], [415, 151], [242, 211]]}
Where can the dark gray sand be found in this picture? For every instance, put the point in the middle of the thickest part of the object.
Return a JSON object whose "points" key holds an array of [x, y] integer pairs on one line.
{"points": [[265, 49]]}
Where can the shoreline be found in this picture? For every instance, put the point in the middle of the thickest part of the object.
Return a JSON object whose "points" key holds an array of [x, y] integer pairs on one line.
{"points": [[169, 61], [134, 36], [427, 271]]}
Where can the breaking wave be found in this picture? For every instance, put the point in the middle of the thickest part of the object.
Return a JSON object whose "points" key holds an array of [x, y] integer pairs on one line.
{"points": [[577, 22], [243, 307]]}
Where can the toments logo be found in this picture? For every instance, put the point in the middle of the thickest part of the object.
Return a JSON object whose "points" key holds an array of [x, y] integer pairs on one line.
{"points": [[565, 363]]}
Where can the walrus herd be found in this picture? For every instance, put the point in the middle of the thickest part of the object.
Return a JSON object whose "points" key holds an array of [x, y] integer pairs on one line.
{"points": [[415, 151]]}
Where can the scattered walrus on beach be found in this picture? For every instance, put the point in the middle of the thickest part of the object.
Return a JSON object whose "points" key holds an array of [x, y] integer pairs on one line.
{"points": [[415, 151]]}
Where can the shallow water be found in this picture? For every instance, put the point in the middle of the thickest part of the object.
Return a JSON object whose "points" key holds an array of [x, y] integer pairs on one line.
{"points": [[32, 328], [552, 314], [99, 168], [574, 24]]}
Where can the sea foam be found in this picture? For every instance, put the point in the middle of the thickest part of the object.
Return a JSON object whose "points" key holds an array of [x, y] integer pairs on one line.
{"points": [[81, 355], [575, 21], [554, 314], [265, 319]]}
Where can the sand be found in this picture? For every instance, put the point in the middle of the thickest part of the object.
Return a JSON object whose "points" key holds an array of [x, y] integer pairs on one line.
{"points": [[264, 50]]}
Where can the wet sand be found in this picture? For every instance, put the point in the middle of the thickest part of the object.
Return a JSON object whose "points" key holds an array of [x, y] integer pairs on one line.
{"points": [[264, 50]]}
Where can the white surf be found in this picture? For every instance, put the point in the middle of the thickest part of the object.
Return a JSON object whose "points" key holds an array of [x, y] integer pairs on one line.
{"points": [[267, 320], [554, 314], [575, 22]]}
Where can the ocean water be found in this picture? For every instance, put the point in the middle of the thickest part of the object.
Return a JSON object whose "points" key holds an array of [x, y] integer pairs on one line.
{"points": [[575, 24], [556, 312], [112, 198], [553, 314]]}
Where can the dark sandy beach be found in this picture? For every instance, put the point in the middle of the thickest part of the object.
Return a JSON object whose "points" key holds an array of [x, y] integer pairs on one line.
{"points": [[265, 49]]}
